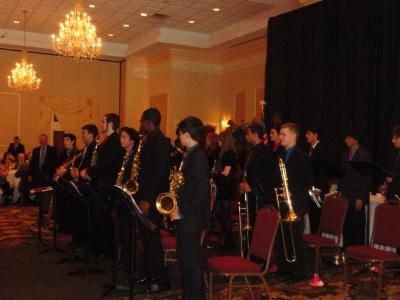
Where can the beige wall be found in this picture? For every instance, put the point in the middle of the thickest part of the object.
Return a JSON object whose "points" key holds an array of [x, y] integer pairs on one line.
{"points": [[197, 83], [97, 82]]}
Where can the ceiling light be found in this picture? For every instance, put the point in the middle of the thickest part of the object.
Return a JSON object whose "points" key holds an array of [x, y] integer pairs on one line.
{"points": [[191, 21], [16, 22], [143, 14], [92, 5], [216, 9], [126, 25], [111, 34]]}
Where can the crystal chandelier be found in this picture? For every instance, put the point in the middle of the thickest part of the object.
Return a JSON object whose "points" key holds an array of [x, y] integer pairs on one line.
{"points": [[77, 36], [23, 76]]}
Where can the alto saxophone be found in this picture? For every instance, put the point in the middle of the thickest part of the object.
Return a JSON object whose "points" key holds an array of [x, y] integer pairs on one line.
{"points": [[132, 185], [166, 203]]}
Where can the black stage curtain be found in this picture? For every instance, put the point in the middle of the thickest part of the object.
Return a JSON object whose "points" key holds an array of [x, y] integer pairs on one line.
{"points": [[335, 65]]}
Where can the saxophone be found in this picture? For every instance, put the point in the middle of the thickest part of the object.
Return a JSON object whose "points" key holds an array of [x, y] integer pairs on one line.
{"points": [[132, 185], [93, 161], [166, 203]]}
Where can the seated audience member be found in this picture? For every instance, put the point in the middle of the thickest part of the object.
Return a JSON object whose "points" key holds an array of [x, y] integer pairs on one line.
{"points": [[16, 147]]}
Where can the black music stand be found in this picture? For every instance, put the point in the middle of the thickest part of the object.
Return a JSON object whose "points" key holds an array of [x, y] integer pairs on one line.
{"points": [[75, 194], [367, 168], [92, 202], [42, 192], [136, 214]]}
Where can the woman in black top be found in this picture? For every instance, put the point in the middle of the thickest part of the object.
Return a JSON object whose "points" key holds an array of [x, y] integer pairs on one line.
{"points": [[224, 179]]}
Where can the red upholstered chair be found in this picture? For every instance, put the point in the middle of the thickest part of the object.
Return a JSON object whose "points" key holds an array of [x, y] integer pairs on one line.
{"points": [[261, 246], [333, 214], [386, 232]]}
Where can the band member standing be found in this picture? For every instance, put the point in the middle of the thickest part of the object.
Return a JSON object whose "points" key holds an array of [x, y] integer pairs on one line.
{"points": [[69, 152], [104, 174], [318, 158], [129, 139], [300, 179], [259, 171], [153, 180], [89, 133], [354, 186], [275, 142], [193, 213], [394, 181]]}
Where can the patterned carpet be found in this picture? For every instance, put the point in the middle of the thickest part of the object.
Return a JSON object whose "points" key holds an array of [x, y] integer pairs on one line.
{"points": [[18, 227]]}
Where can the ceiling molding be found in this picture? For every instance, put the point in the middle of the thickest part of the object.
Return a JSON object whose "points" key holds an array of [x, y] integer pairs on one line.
{"points": [[43, 41]]}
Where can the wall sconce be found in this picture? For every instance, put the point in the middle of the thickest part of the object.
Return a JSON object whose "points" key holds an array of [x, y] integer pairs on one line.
{"points": [[224, 124]]}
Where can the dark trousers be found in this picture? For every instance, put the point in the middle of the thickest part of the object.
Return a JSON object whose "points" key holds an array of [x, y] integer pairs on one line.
{"points": [[153, 255], [190, 264], [354, 227], [224, 219], [314, 214], [125, 234], [298, 267]]}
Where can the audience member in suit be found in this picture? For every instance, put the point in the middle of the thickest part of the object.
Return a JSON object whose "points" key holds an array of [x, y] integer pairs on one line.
{"points": [[300, 179], [43, 163], [42, 166], [64, 207], [103, 174], [89, 132], [129, 139], [354, 186], [16, 147], [394, 180], [153, 180], [193, 213], [318, 158], [259, 171]]}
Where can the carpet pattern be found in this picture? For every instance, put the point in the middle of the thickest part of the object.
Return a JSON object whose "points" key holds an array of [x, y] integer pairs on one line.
{"points": [[18, 227]]}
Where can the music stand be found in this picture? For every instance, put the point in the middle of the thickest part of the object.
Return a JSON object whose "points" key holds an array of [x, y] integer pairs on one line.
{"points": [[367, 168], [41, 192], [136, 213]]}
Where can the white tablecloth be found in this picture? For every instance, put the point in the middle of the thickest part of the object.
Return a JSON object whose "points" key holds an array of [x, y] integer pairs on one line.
{"points": [[14, 184]]}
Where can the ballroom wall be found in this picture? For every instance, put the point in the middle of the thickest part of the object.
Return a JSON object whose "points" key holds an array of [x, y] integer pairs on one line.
{"points": [[76, 92], [198, 83]]}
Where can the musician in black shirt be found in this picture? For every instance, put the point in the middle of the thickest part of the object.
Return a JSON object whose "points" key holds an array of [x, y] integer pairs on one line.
{"points": [[153, 180], [193, 212]]}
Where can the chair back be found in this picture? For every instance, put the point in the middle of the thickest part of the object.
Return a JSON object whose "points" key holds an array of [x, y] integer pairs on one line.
{"points": [[333, 214], [265, 228], [387, 225]]}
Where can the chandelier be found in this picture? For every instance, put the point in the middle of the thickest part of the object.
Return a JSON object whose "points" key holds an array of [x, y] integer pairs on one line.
{"points": [[23, 76], [77, 36]]}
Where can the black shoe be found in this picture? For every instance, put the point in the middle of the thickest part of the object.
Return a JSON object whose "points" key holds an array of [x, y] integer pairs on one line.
{"points": [[143, 280], [158, 288]]}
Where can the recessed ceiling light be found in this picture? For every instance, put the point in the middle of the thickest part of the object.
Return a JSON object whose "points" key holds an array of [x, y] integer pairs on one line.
{"points": [[216, 9], [191, 21], [111, 34], [143, 14], [16, 22], [92, 5], [126, 25]]}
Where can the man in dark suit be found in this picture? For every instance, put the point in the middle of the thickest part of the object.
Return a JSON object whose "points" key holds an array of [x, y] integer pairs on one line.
{"points": [[89, 133], [394, 180], [300, 179], [43, 162], [153, 180], [16, 147], [193, 213], [354, 186], [103, 174], [259, 171], [318, 158]]}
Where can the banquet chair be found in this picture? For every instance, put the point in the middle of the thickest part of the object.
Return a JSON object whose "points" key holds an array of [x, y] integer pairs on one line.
{"points": [[333, 214], [261, 246], [386, 233]]}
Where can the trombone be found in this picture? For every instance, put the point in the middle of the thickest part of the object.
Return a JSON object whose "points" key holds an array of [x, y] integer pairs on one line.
{"points": [[244, 211], [290, 217]]}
